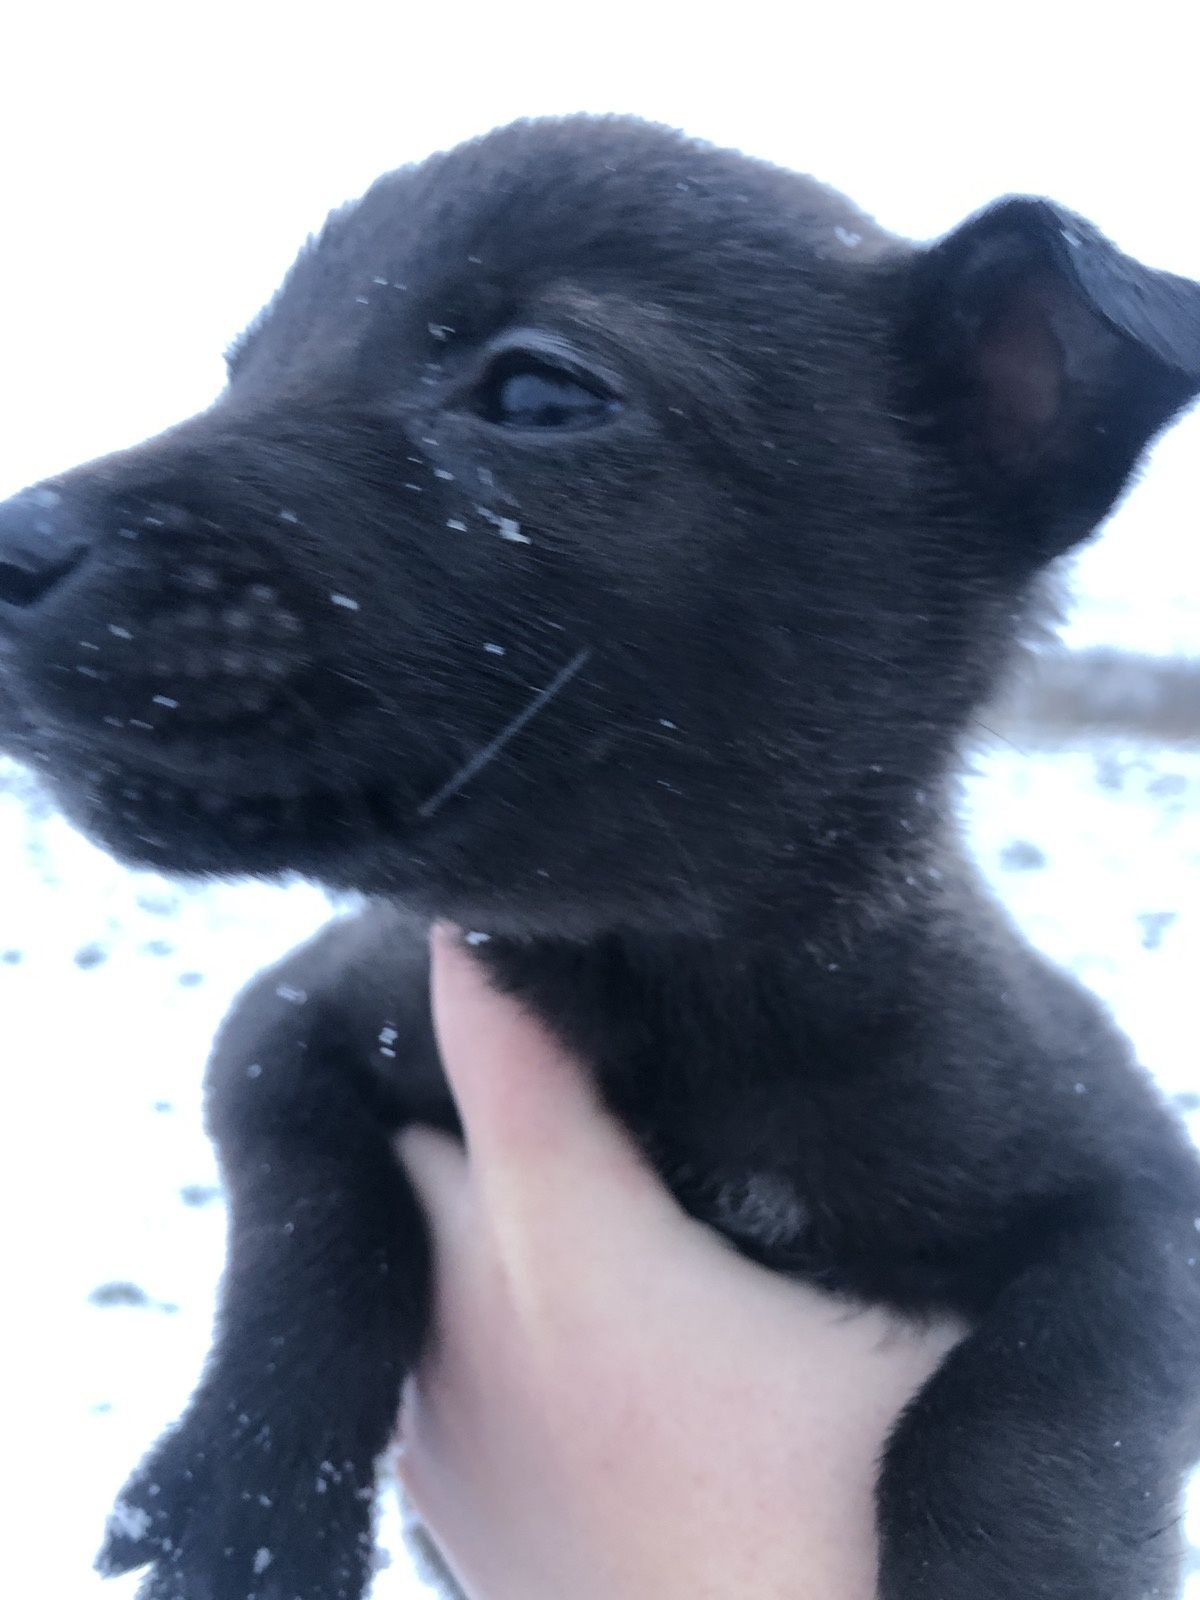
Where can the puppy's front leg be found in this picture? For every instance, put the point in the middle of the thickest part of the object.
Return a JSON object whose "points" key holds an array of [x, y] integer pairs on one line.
{"points": [[265, 1487], [1045, 1459]]}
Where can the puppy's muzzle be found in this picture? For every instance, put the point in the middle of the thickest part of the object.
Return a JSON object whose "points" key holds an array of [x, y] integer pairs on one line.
{"points": [[42, 542]]}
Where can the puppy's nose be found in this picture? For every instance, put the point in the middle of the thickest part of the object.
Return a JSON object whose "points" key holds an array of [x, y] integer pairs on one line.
{"points": [[41, 541]]}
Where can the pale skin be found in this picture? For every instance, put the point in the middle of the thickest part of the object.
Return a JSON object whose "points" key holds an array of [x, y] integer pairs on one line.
{"points": [[615, 1405]]}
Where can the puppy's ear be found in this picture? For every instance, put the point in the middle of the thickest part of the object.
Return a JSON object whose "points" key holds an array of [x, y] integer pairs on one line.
{"points": [[1047, 360]]}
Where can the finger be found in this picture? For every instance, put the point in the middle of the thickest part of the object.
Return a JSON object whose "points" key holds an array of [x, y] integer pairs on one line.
{"points": [[535, 1128], [436, 1166]]}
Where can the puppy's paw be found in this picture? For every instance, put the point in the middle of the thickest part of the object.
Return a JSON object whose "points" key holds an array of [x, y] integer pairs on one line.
{"points": [[153, 1508], [244, 1513]]}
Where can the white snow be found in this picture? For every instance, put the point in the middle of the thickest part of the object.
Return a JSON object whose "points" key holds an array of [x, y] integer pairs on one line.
{"points": [[129, 1520], [507, 527]]}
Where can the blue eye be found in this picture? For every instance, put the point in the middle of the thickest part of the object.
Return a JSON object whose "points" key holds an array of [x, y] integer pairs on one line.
{"points": [[526, 391]]}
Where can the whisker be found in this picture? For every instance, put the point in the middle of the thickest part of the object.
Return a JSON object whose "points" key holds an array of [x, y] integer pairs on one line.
{"points": [[1003, 738], [861, 654], [845, 646], [492, 749]]}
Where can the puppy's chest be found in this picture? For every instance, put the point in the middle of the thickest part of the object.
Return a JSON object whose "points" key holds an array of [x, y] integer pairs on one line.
{"points": [[746, 1169], [761, 1208]]}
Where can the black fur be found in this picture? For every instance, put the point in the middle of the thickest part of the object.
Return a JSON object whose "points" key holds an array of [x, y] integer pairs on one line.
{"points": [[670, 704]]}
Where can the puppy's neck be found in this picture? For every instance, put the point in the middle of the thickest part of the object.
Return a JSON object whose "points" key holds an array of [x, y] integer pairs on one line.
{"points": [[676, 1016]]}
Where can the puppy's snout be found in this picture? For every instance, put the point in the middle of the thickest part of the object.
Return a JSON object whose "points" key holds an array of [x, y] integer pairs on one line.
{"points": [[42, 541]]}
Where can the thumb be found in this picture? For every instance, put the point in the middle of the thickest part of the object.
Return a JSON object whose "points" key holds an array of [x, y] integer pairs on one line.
{"points": [[536, 1131]]}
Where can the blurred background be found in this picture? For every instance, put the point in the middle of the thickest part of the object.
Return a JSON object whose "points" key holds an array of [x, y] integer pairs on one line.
{"points": [[160, 166]]}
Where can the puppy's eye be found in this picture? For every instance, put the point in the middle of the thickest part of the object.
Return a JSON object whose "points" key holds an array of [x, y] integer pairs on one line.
{"points": [[522, 390]]}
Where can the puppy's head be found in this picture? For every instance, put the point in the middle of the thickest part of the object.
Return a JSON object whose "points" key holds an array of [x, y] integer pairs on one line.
{"points": [[596, 529]]}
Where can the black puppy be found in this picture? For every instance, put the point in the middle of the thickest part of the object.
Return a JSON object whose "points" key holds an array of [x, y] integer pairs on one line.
{"points": [[605, 541]]}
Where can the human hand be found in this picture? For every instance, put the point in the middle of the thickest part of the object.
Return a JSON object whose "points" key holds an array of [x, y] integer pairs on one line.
{"points": [[614, 1404]]}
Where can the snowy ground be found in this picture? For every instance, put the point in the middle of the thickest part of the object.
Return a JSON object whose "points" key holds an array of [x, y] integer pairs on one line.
{"points": [[117, 1234]]}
